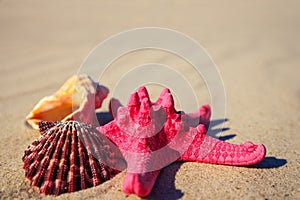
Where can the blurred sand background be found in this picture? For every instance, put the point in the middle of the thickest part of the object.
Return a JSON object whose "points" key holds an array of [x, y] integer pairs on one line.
{"points": [[255, 45]]}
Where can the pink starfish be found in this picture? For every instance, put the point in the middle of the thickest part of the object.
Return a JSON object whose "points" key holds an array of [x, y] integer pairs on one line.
{"points": [[151, 135]]}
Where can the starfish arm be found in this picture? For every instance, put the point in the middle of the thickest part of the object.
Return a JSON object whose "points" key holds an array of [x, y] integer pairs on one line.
{"points": [[201, 116], [140, 184], [139, 178], [144, 168], [210, 150]]}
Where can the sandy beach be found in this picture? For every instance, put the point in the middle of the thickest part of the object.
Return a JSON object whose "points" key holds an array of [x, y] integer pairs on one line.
{"points": [[254, 44]]}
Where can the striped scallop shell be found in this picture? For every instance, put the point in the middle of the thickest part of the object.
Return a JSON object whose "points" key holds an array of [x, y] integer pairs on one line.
{"points": [[69, 156]]}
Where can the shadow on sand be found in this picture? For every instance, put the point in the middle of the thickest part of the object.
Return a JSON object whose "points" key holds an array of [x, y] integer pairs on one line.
{"points": [[270, 162], [165, 185], [214, 132], [103, 117]]}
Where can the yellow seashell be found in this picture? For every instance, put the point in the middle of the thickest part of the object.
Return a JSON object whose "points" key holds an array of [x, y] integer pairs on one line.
{"points": [[76, 99]]}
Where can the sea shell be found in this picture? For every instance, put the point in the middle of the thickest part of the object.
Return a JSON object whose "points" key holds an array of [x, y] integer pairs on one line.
{"points": [[69, 156], [152, 135], [74, 100]]}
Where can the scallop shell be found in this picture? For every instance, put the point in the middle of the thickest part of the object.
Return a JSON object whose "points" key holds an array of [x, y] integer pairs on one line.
{"points": [[69, 156], [78, 95]]}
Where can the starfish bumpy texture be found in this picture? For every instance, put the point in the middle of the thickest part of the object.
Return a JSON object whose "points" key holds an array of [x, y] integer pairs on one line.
{"points": [[151, 135]]}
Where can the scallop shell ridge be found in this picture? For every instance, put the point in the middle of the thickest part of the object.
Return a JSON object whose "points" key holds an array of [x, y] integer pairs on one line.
{"points": [[66, 158]]}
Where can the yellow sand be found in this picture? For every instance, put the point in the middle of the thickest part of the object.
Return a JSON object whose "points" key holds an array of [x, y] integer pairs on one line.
{"points": [[255, 45]]}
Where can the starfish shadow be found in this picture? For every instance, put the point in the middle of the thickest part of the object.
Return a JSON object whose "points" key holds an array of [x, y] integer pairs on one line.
{"points": [[164, 187], [216, 122], [226, 137], [270, 162], [103, 117], [214, 132]]}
